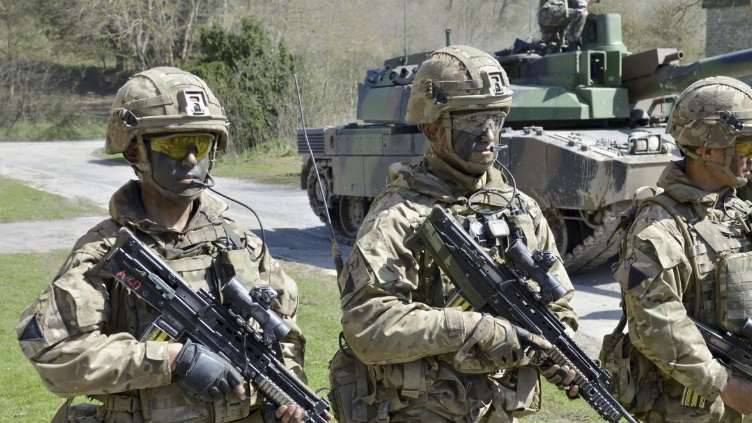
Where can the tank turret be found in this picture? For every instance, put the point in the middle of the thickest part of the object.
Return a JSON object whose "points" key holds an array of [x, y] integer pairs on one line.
{"points": [[585, 130], [657, 72]]}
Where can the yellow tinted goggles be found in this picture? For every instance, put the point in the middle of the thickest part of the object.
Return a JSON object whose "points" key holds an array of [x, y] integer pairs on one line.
{"points": [[744, 149], [178, 146]]}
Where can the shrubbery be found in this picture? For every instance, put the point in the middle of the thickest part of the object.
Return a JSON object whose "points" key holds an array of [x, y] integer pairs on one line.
{"points": [[250, 75]]}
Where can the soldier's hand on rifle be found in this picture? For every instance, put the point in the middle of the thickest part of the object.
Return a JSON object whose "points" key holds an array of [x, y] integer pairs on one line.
{"points": [[290, 414], [737, 393], [561, 376], [204, 374], [501, 342]]}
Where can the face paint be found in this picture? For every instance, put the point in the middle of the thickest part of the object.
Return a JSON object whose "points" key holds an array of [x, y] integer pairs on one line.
{"points": [[475, 134], [174, 177]]}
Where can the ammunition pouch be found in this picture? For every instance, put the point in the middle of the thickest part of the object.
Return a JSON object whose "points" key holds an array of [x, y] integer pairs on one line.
{"points": [[521, 391], [79, 413], [352, 396], [635, 381], [363, 393], [734, 293]]}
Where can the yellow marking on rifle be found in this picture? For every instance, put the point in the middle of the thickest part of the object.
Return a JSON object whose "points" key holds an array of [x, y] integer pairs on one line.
{"points": [[690, 398], [457, 301]]}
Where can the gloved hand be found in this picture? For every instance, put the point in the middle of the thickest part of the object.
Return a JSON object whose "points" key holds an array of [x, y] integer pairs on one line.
{"points": [[205, 375], [500, 342], [561, 376]]}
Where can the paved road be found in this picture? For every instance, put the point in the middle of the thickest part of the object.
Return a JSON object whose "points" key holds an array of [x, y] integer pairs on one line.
{"points": [[293, 232]]}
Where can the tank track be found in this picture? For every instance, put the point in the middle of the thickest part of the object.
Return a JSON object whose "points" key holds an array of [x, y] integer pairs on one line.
{"points": [[313, 196], [598, 247]]}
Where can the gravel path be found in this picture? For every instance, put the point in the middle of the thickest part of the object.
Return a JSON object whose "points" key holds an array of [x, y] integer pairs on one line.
{"points": [[293, 232]]}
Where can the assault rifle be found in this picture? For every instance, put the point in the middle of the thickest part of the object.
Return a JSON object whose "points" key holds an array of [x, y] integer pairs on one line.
{"points": [[729, 349], [504, 290], [223, 328]]}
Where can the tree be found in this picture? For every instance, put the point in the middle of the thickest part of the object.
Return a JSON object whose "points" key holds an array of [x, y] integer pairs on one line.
{"points": [[251, 75], [139, 33]]}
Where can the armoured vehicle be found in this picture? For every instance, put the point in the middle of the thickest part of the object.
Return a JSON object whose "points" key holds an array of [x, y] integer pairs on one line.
{"points": [[585, 130]]}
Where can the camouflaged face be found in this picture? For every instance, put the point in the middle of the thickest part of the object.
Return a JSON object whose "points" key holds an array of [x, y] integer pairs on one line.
{"points": [[695, 120]]}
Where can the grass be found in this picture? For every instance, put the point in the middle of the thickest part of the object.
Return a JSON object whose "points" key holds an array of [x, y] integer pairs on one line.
{"points": [[23, 203], [75, 129], [23, 397], [275, 163], [560, 409], [318, 316]]}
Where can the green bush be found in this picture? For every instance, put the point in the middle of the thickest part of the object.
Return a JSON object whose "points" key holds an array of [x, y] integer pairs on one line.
{"points": [[250, 75]]}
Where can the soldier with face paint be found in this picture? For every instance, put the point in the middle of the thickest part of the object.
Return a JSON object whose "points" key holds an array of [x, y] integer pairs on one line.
{"points": [[406, 355], [83, 334]]}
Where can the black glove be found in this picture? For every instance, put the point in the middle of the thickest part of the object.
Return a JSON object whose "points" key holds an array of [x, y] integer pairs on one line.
{"points": [[561, 376], [204, 374]]}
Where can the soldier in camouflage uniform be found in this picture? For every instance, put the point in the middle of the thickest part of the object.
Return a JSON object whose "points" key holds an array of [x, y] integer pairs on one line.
{"points": [[408, 357], [685, 258], [82, 333], [561, 21]]}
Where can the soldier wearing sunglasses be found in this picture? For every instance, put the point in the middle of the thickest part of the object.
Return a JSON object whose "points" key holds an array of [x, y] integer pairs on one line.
{"points": [[84, 333], [687, 256]]}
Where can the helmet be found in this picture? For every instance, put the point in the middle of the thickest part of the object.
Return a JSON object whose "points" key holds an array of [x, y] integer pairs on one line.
{"points": [[164, 99], [460, 79], [713, 113], [457, 78]]}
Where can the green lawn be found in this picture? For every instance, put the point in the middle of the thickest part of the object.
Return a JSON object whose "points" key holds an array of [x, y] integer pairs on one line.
{"points": [[273, 166], [23, 398], [77, 129], [23, 203]]}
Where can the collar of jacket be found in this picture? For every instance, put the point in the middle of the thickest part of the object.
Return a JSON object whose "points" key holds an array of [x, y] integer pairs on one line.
{"points": [[676, 183], [435, 178], [127, 209]]}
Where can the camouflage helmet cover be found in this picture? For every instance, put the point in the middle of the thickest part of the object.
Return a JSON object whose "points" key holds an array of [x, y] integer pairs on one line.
{"points": [[712, 113], [457, 78], [164, 99]]}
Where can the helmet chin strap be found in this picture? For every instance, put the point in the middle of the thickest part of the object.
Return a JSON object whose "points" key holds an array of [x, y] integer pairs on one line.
{"points": [[725, 168]]}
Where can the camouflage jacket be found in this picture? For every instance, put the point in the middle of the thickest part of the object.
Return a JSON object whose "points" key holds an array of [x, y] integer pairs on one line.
{"points": [[393, 295], [82, 333], [661, 291]]}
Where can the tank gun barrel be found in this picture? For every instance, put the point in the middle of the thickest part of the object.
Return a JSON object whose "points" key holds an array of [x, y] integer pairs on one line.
{"points": [[668, 77]]}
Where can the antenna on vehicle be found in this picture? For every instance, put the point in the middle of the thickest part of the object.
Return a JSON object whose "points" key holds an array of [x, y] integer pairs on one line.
{"points": [[448, 37], [529, 19], [336, 253], [404, 32]]}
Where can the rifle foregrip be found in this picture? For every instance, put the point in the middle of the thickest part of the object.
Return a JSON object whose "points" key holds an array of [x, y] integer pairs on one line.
{"points": [[603, 404], [272, 391]]}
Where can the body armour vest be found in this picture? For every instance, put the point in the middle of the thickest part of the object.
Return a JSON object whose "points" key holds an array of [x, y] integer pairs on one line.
{"points": [[720, 251]]}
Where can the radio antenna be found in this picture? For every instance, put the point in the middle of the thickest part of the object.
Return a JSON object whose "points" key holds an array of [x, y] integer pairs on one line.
{"points": [[404, 32], [336, 253]]}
